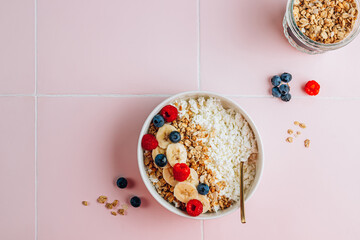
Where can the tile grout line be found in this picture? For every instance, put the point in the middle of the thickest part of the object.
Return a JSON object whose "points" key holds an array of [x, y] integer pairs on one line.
{"points": [[36, 169], [17, 95], [104, 95], [202, 229], [169, 95], [36, 119], [35, 49], [198, 44]]}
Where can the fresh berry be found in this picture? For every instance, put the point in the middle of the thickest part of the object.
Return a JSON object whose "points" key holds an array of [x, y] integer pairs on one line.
{"points": [[286, 97], [194, 207], [175, 137], [135, 201], [284, 89], [161, 160], [276, 92], [169, 113], [158, 120], [275, 80], [312, 88], [286, 77], [149, 142], [203, 189], [122, 182], [181, 172]]}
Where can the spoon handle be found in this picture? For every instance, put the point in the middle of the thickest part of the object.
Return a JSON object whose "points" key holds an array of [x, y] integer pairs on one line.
{"points": [[242, 207]]}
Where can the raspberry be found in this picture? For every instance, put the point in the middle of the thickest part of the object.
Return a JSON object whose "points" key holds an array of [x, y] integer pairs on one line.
{"points": [[194, 207], [312, 88], [181, 172], [169, 113], [149, 142]]}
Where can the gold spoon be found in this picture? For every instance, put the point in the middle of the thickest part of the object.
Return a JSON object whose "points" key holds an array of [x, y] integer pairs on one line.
{"points": [[242, 207]]}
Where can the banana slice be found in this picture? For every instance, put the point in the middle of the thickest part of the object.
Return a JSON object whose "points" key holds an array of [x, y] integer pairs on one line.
{"points": [[193, 178], [162, 136], [176, 153], [185, 191], [169, 176], [157, 151], [205, 202]]}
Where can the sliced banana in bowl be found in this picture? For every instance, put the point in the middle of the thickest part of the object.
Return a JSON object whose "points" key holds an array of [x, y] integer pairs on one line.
{"points": [[162, 136], [176, 153], [205, 202], [193, 178], [185, 191], [168, 175]]}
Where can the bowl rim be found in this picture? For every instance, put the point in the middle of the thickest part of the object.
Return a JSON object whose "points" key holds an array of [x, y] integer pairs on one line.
{"points": [[149, 185]]}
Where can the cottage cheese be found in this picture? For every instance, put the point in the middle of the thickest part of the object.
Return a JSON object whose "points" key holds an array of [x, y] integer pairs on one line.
{"points": [[230, 141]]}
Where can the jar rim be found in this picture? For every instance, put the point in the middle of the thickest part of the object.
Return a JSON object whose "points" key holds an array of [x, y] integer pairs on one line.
{"points": [[351, 36]]}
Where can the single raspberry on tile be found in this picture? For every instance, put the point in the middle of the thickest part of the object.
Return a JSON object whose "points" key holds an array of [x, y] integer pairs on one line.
{"points": [[149, 142], [194, 207], [181, 172], [312, 88], [169, 113]]}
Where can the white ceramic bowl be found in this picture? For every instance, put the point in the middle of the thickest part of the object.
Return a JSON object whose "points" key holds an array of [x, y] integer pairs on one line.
{"points": [[227, 103]]}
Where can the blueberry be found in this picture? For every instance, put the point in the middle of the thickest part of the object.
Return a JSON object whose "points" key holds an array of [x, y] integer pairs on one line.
{"points": [[286, 77], [275, 81], [175, 137], [284, 89], [203, 189], [135, 201], [158, 121], [276, 92], [286, 97], [161, 160], [122, 182]]}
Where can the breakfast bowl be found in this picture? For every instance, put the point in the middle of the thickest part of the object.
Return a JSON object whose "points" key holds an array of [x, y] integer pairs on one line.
{"points": [[209, 135]]}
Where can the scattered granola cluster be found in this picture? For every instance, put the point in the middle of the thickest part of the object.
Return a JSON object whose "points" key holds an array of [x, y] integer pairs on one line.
{"points": [[297, 133], [325, 21], [104, 200]]}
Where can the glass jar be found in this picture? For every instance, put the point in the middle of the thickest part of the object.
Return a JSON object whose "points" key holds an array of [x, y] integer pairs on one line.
{"points": [[303, 43]]}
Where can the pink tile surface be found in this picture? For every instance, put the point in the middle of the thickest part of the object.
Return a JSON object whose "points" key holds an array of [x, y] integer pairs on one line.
{"points": [[242, 45], [84, 145], [305, 193], [17, 46], [17, 178], [119, 48], [111, 46]]}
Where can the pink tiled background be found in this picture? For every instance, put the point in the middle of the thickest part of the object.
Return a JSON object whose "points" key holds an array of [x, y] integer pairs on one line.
{"points": [[78, 78]]}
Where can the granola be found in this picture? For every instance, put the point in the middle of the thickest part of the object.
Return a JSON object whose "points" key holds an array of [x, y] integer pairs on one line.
{"points": [[295, 134], [109, 206], [121, 211], [325, 21], [102, 199], [115, 203]]}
